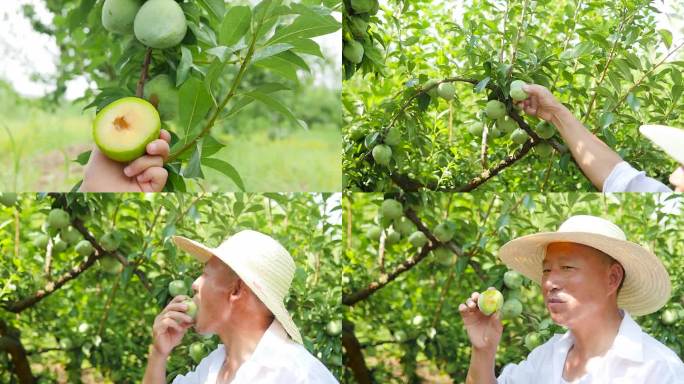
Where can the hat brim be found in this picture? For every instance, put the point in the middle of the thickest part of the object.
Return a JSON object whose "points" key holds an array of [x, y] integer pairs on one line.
{"points": [[203, 254], [669, 139], [646, 287]]}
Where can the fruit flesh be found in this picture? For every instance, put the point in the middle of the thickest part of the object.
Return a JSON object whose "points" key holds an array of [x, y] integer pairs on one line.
{"points": [[490, 301], [123, 128], [160, 24]]}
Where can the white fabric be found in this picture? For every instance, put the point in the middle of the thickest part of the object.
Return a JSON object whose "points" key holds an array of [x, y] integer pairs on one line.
{"points": [[276, 359], [634, 358], [624, 178]]}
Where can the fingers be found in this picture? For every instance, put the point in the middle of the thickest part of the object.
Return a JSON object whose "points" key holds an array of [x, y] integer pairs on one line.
{"points": [[470, 303], [141, 164], [158, 147], [153, 179], [165, 135]]}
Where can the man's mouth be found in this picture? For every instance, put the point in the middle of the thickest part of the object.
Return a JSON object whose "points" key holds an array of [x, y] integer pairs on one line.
{"points": [[554, 300]]}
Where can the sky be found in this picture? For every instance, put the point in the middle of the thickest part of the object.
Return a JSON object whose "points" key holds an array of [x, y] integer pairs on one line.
{"points": [[25, 53]]}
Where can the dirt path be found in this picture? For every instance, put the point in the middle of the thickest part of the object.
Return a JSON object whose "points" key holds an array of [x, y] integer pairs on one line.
{"points": [[53, 171]]}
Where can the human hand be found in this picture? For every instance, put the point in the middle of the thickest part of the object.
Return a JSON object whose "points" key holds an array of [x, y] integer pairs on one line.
{"points": [[144, 174], [484, 331], [540, 103], [170, 326]]}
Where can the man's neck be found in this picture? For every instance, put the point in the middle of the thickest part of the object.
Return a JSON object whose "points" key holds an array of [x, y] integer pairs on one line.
{"points": [[240, 344], [594, 338]]}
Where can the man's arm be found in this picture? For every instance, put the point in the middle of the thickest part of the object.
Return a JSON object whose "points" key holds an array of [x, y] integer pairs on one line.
{"points": [[484, 333], [594, 157], [156, 367], [481, 369]]}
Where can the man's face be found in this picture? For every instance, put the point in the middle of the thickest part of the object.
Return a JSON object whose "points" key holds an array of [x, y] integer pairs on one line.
{"points": [[577, 282], [212, 292], [677, 179]]}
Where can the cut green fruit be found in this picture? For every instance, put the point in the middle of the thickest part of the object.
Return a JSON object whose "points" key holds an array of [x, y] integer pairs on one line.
{"points": [[160, 91], [118, 15], [495, 109], [519, 136], [160, 24], [123, 129], [353, 51], [382, 154], [490, 301]]}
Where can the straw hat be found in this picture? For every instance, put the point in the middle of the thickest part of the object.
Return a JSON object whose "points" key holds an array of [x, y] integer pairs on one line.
{"points": [[669, 139], [646, 287], [261, 262]]}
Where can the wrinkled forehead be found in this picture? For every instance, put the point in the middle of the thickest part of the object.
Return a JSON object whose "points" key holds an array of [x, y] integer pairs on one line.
{"points": [[573, 251]]}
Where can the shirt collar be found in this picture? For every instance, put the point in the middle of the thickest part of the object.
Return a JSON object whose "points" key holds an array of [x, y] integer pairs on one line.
{"points": [[627, 343], [272, 340]]}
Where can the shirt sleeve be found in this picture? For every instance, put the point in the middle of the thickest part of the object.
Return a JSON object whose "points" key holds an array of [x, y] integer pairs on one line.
{"points": [[624, 178], [527, 371]]}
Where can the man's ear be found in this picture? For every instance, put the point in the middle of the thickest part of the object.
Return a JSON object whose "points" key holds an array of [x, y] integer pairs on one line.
{"points": [[238, 288], [616, 276]]}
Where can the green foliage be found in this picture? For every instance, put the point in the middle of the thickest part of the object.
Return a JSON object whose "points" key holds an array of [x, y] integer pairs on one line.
{"points": [[608, 64], [231, 56], [387, 289], [100, 322]]}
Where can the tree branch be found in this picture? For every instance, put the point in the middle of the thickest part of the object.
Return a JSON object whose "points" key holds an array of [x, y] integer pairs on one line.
{"points": [[353, 358], [143, 73]]}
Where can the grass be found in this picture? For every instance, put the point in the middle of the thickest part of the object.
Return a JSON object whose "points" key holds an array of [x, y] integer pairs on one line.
{"points": [[37, 148]]}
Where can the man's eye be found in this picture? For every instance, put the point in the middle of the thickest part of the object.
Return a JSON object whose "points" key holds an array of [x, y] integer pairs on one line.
{"points": [[546, 270], [567, 267]]}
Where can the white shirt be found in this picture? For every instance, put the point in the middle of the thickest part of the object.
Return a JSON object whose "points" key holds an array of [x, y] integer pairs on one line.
{"points": [[624, 178], [276, 359], [634, 358]]}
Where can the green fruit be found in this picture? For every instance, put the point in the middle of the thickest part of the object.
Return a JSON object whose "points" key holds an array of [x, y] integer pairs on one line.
{"points": [[512, 279], [545, 130], [517, 92], [543, 149], [446, 91], [58, 218], [404, 226], [393, 237], [196, 351], [494, 132], [363, 6], [511, 309], [490, 301], [178, 287], [358, 27], [353, 51], [84, 248], [669, 317], [506, 124], [111, 241], [160, 24], [334, 328], [161, 91], [495, 109], [443, 255], [382, 154], [118, 15], [356, 132], [418, 239], [8, 199], [432, 85], [59, 245], [476, 129], [374, 233], [445, 231], [392, 209], [66, 343], [393, 136], [532, 340], [513, 294], [70, 234], [519, 136], [123, 129], [111, 265], [41, 241], [192, 308]]}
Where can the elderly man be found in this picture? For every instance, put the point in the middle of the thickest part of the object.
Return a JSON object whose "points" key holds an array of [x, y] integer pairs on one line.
{"points": [[593, 280], [605, 168], [239, 297]]}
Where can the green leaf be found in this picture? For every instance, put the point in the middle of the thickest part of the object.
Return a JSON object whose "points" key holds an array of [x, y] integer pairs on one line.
{"points": [[83, 158], [274, 104], [244, 101], [175, 181], [269, 51], [226, 169], [666, 36], [194, 103], [216, 8], [194, 168], [306, 46], [106, 97], [235, 24], [482, 84], [183, 66], [305, 26]]}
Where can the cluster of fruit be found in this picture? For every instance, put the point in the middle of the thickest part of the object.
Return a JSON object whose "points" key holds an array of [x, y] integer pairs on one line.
{"points": [[492, 300], [156, 23], [396, 226], [357, 42]]}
